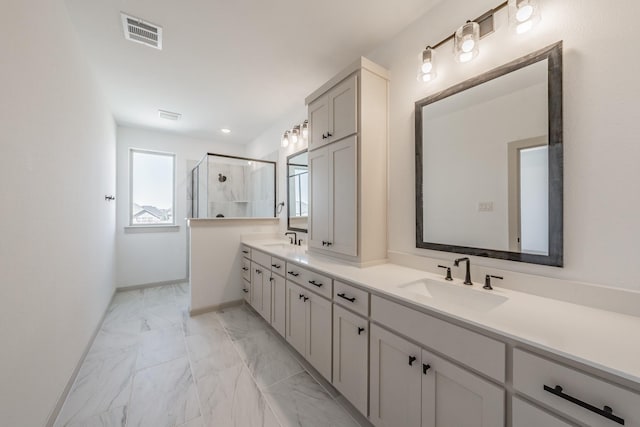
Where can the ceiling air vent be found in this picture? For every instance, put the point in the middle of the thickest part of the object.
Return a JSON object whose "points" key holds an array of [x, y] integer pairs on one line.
{"points": [[169, 115], [139, 31]]}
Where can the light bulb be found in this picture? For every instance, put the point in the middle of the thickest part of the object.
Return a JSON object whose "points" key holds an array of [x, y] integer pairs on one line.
{"points": [[285, 140], [468, 45], [305, 129], [426, 77], [426, 67], [524, 13], [465, 56], [294, 138]]}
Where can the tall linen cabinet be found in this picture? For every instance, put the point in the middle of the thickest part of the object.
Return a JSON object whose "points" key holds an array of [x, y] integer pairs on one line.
{"points": [[348, 134]]}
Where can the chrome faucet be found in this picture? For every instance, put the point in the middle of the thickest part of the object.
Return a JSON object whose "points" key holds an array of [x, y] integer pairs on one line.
{"points": [[294, 239], [467, 277]]}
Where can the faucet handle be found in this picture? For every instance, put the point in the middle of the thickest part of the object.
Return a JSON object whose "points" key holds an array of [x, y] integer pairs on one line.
{"points": [[449, 278], [487, 281]]}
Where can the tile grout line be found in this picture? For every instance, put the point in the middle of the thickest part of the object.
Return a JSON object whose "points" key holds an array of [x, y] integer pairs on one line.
{"points": [[264, 398]]}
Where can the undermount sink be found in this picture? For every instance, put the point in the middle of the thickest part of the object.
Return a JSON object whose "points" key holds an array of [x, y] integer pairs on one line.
{"points": [[456, 295], [279, 245]]}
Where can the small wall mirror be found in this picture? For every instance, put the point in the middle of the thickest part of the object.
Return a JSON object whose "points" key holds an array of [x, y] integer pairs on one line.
{"points": [[489, 163], [298, 191]]}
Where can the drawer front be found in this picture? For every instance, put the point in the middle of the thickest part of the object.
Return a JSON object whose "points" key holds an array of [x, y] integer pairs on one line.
{"points": [[532, 373], [245, 251], [246, 269], [318, 283], [526, 415], [481, 353], [278, 266], [353, 298], [246, 290], [261, 258]]}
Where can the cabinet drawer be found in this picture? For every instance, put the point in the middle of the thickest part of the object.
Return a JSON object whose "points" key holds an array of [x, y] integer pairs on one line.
{"points": [[353, 298], [317, 282], [532, 373], [246, 269], [526, 415], [278, 266], [261, 258], [245, 251], [481, 353]]}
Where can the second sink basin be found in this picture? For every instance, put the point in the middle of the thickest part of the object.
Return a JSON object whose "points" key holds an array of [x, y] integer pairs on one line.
{"points": [[451, 294]]}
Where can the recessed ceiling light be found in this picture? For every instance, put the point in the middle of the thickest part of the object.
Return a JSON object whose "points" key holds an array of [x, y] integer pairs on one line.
{"points": [[225, 130]]}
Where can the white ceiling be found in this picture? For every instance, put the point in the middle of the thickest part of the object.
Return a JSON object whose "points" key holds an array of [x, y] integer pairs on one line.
{"points": [[240, 64]]}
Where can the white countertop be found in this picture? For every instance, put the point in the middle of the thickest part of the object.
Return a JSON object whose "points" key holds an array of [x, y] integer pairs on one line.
{"points": [[605, 340]]}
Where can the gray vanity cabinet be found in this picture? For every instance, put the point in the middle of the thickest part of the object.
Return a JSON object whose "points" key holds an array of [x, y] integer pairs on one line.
{"points": [[351, 356], [278, 298], [261, 290], [296, 313]]}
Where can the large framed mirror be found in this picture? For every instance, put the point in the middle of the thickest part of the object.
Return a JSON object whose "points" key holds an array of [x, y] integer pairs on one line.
{"points": [[298, 191], [489, 156]]}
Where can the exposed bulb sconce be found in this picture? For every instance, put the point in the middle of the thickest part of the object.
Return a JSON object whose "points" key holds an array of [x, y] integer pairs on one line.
{"points": [[523, 15], [285, 139], [295, 133], [466, 42], [427, 71], [305, 129]]}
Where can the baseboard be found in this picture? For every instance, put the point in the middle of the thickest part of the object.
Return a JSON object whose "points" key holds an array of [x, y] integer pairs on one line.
{"points": [[149, 285], [215, 307], [65, 393]]}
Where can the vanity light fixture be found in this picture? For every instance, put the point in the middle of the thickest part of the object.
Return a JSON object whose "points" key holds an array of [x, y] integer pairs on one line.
{"points": [[427, 71], [295, 133], [466, 42], [285, 139], [305, 129], [523, 15]]}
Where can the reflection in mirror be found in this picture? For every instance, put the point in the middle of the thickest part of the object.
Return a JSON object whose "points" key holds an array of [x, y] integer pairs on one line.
{"points": [[489, 163], [298, 191]]}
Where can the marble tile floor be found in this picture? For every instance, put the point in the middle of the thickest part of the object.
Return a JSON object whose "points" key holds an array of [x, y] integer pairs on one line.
{"points": [[151, 364]]}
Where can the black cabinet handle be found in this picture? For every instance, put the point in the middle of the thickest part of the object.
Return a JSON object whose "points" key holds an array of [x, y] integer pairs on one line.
{"points": [[305, 299], [300, 296], [329, 243], [294, 274], [324, 136], [276, 266], [425, 368], [314, 283], [245, 269], [411, 360], [258, 271], [342, 295], [245, 252], [329, 134], [271, 279], [326, 243], [360, 330], [606, 412], [245, 291]]}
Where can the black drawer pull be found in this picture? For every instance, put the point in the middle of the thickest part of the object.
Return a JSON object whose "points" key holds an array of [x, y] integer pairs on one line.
{"points": [[425, 368], [276, 265], [314, 283], [300, 296], [305, 299], [360, 330], [342, 295], [245, 252], [606, 412], [293, 273], [271, 279], [245, 269], [411, 360], [245, 291], [258, 271], [324, 136], [329, 134]]}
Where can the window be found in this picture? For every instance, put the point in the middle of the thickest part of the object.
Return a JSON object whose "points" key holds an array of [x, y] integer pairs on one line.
{"points": [[152, 184]]}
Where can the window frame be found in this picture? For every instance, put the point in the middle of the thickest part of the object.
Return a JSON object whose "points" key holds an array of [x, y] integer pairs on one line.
{"points": [[132, 151]]}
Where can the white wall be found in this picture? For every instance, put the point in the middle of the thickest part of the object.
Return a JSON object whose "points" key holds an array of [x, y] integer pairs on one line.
{"points": [[157, 255], [57, 163], [600, 127]]}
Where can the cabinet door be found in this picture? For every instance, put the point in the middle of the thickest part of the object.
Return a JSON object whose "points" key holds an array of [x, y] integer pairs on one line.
{"points": [[246, 290], [319, 196], [318, 113], [526, 415], [278, 297], [351, 356], [343, 195], [296, 317], [395, 380], [267, 285], [256, 287], [343, 109], [452, 396], [318, 348]]}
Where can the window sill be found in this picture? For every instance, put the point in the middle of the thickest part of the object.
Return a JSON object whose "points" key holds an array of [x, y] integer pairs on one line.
{"points": [[151, 228]]}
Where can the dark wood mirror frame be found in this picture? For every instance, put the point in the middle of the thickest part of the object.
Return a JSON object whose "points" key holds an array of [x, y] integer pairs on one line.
{"points": [[289, 227], [553, 54]]}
